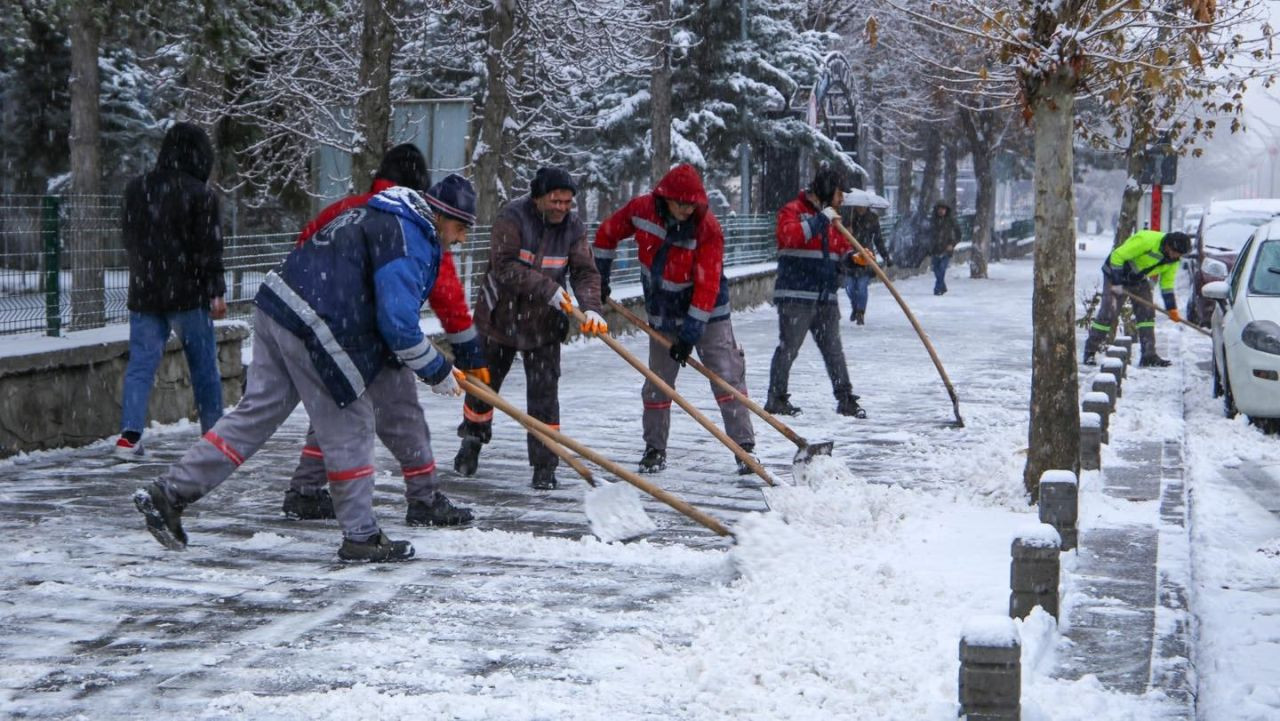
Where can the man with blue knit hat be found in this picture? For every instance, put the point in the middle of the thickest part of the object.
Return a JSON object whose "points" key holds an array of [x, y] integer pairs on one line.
{"points": [[398, 418], [326, 323], [539, 245]]}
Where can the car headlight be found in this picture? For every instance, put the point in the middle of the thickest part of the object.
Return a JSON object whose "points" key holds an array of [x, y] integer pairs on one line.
{"points": [[1263, 335], [1214, 268]]}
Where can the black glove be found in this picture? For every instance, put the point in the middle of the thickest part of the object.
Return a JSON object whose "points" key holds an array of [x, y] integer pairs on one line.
{"points": [[680, 351]]}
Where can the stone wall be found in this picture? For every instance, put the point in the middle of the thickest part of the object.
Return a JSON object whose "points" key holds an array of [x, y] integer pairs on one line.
{"points": [[57, 392]]}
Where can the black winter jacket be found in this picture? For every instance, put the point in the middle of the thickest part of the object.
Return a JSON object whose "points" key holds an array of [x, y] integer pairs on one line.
{"points": [[171, 228]]}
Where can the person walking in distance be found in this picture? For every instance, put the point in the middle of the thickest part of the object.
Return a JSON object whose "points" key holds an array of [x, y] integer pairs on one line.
{"points": [[398, 417], [681, 251], [857, 271], [944, 235], [173, 241], [539, 245], [806, 292], [325, 323]]}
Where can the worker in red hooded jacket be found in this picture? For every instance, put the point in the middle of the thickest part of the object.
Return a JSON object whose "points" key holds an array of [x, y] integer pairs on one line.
{"points": [[681, 253]]}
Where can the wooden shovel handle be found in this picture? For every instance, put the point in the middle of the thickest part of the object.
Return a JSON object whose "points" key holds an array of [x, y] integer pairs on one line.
{"points": [[711, 375], [924, 337], [541, 429], [696, 414], [1153, 306]]}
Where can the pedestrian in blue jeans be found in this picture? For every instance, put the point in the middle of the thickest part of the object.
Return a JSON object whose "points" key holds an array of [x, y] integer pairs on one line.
{"points": [[943, 234], [857, 270], [172, 237]]}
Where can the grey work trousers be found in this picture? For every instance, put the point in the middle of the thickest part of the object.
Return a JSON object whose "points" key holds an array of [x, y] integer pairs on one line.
{"points": [[795, 321], [1113, 299], [402, 428], [280, 376], [719, 351]]}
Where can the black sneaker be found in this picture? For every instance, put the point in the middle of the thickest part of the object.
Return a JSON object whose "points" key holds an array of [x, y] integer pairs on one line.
{"points": [[1090, 359], [544, 478], [743, 468], [164, 519], [439, 512], [378, 549], [859, 318], [303, 507], [468, 458], [1153, 361], [653, 461], [781, 406], [848, 406]]}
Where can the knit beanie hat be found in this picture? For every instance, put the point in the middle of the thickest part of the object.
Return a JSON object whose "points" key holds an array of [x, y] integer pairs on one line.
{"points": [[549, 178], [455, 197]]}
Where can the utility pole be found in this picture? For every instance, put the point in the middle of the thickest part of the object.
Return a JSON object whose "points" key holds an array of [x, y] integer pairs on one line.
{"points": [[744, 148]]}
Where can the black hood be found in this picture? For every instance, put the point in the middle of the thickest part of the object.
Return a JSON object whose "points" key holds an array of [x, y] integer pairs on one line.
{"points": [[186, 149]]}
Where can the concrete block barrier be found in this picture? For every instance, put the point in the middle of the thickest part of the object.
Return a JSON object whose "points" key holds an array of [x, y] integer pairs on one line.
{"points": [[990, 670], [1059, 505], [1090, 441], [1098, 402], [1033, 573]]}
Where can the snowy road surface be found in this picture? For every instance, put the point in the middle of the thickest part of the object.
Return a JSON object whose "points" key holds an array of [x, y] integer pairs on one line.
{"points": [[851, 609]]}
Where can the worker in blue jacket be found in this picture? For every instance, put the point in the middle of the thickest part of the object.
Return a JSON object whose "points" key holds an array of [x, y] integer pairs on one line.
{"points": [[327, 321]]}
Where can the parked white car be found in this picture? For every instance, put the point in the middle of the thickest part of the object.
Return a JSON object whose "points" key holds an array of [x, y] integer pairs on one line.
{"points": [[1246, 328]]}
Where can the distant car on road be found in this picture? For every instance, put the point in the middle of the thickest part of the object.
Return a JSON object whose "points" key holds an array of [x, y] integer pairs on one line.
{"points": [[1191, 215], [1246, 329], [1223, 230]]}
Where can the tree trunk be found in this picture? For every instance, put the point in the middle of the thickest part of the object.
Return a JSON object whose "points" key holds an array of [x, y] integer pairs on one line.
{"points": [[1127, 224], [932, 168], [488, 154], [877, 159], [905, 183], [983, 172], [950, 172], [1054, 435], [373, 108], [87, 218], [660, 93]]}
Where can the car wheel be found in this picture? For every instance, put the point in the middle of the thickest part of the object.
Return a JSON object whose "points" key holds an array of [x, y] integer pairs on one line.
{"points": [[1228, 398], [1217, 379]]}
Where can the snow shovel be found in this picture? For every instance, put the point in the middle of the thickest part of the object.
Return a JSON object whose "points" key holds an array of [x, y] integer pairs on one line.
{"points": [[805, 450], [613, 515], [697, 415], [924, 338], [1153, 306]]}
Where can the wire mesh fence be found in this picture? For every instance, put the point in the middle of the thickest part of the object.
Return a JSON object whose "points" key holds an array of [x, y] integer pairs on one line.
{"points": [[63, 265]]}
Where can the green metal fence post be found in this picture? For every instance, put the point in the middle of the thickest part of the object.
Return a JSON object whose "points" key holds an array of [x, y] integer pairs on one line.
{"points": [[51, 229]]}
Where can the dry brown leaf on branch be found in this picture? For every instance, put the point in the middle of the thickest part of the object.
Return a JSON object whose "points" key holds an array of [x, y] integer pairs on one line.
{"points": [[872, 31]]}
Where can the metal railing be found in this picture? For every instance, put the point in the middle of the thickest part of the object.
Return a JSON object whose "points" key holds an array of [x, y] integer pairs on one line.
{"points": [[43, 241]]}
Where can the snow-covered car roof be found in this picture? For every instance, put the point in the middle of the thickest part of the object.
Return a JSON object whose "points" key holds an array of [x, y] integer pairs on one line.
{"points": [[1269, 206]]}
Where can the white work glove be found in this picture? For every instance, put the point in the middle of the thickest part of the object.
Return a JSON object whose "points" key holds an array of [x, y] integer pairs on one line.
{"points": [[832, 214], [449, 386], [561, 302], [594, 324]]}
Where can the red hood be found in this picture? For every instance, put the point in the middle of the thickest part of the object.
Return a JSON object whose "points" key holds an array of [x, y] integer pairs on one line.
{"points": [[682, 184], [380, 184]]}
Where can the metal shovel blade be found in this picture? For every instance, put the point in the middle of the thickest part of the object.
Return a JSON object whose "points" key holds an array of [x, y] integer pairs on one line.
{"points": [[615, 513], [809, 450]]}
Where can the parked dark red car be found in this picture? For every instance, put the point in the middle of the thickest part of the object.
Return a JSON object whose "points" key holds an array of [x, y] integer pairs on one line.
{"points": [[1224, 228]]}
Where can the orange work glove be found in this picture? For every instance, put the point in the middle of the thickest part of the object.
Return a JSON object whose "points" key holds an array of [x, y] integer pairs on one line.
{"points": [[1175, 316], [478, 374], [594, 324], [560, 299]]}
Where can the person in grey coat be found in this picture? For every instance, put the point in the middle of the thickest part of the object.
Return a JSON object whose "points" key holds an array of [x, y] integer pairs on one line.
{"points": [[944, 234], [538, 245]]}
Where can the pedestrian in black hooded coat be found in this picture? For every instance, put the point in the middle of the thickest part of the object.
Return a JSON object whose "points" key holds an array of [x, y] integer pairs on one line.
{"points": [[174, 245]]}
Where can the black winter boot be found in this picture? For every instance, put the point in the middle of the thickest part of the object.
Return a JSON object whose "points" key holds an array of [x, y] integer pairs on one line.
{"points": [[300, 507], [1089, 359], [743, 468], [544, 478], [378, 549], [653, 461], [859, 318], [1153, 361], [848, 406], [164, 519], [439, 512], [468, 458], [781, 406]]}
